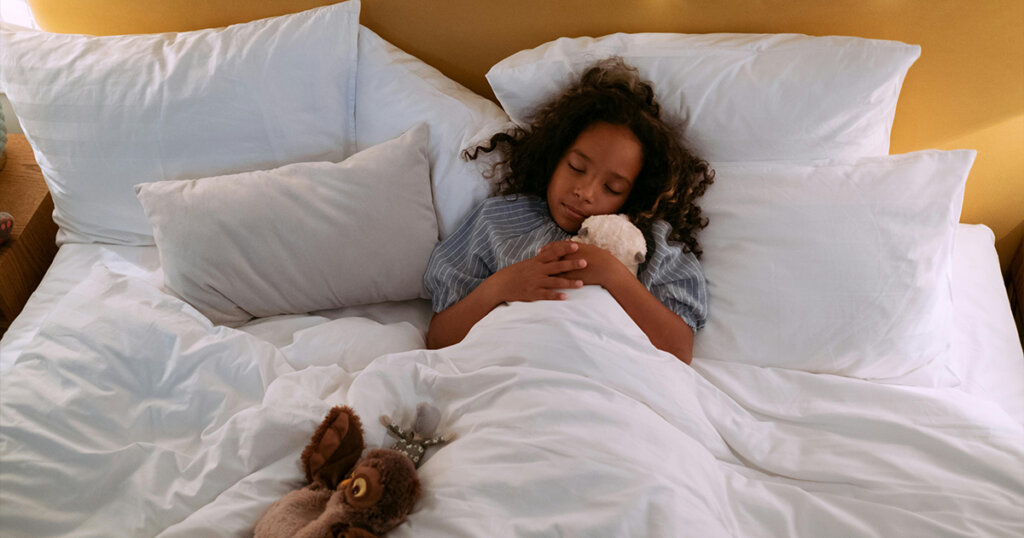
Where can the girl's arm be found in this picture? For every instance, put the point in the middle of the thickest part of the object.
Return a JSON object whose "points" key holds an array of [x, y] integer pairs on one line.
{"points": [[666, 330], [537, 278]]}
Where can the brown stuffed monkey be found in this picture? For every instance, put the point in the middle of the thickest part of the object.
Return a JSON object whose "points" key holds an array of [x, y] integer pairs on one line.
{"points": [[379, 492]]}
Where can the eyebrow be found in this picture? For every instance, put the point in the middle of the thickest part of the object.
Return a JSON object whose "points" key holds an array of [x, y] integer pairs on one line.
{"points": [[589, 160]]}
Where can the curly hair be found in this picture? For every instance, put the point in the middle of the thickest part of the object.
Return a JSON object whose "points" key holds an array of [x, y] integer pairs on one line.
{"points": [[670, 181]]}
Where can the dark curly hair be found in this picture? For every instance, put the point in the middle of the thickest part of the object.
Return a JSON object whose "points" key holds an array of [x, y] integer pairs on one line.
{"points": [[671, 179]]}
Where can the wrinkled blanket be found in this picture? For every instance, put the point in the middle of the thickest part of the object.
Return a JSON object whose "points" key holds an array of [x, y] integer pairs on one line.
{"points": [[129, 414]]}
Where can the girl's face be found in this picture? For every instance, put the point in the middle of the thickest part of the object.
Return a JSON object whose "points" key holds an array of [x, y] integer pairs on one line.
{"points": [[595, 176]]}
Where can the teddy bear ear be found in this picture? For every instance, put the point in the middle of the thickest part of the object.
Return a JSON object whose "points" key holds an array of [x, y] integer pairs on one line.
{"points": [[639, 257], [427, 419], [584, 231]]}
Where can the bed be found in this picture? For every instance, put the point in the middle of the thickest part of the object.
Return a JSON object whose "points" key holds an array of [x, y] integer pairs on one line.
{"points": [[218, 290]]}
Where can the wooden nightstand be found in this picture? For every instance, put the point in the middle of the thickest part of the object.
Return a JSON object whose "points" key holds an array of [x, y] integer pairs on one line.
{"points": [[26, 255]]}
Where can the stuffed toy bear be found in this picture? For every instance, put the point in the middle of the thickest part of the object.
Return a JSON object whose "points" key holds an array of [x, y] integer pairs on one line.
{"points": [[346, 496], [616, 234]]}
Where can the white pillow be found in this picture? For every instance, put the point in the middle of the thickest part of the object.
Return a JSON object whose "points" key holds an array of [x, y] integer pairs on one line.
{"points": [[300, 238], [395, 91], [103, 113], [835, 267], [743, 97]]}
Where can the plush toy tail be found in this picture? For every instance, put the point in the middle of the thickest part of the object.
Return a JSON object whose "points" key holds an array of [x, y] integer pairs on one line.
{"points": [[335, 447]]}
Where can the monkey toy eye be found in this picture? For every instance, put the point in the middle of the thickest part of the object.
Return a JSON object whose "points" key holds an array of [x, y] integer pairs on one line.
{"points": [[364, 488], [358, 487]]}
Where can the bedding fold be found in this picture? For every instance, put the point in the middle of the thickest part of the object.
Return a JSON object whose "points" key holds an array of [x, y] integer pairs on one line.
{"points": [[130, 414]]}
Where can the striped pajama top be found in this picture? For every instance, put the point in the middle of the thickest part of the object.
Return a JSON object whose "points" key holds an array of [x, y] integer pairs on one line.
{"points": [[501, 232]]}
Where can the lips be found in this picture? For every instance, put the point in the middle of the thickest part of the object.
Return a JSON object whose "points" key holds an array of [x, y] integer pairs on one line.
{"points": [[576, 214]]}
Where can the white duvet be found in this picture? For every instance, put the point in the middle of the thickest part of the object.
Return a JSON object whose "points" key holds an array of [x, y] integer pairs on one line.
{"points": [[129, 414]]}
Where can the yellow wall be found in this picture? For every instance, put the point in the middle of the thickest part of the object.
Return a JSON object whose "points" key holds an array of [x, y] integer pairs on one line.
{"points": [[966, 91]]}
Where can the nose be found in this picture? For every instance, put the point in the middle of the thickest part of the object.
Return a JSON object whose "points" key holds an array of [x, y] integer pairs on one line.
{"points": [[585, 188]]}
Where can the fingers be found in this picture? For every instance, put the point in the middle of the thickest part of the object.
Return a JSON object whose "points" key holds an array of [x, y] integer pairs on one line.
{"points": [[540, 278], [548, 289], [552, 285], [565, 283], [563, 266], [558, 249]]}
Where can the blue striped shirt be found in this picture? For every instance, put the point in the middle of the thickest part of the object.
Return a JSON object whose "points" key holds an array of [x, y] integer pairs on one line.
{"points": [[501, 232]]}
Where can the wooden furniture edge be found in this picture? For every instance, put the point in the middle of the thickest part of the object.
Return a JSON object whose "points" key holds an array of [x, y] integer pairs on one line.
{"points": [[30, 249], [1015, 289]]}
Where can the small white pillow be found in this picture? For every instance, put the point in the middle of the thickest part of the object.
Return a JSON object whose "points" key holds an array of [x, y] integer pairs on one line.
{"points": [[395, 91], [300, 238], [833, 267], [102, 113], [743, 97]]}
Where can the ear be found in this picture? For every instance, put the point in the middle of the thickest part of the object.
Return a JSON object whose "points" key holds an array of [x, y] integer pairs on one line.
{"points": [[639, 257], [584, 231], [335, 447], [427, 419]]}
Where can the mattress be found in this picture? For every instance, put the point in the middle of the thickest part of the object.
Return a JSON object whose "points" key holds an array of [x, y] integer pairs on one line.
{"points": [[987, 350]]}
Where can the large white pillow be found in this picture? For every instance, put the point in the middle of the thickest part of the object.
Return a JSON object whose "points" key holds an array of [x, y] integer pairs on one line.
{"points": [[103, 113], [300, 238], [835, 267], [743, 97], [395, 91]]}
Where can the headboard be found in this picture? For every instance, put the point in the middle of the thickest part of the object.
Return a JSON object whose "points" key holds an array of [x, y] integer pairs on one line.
{"points": [[966, 90]]}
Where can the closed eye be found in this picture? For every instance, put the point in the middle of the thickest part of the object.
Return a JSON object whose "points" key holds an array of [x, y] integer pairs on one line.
{"points": [[613, 191], [577, 170]]}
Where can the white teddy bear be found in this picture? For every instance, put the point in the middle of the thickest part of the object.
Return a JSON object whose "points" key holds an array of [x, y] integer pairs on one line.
{"points": [[616, 234]]}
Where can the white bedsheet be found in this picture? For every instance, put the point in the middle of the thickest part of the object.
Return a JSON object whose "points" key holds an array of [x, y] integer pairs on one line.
{"points": [[987, 351], [128, 414]]}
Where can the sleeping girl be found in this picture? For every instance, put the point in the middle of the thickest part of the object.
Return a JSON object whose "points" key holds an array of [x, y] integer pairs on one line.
{"points": [[601, 147]]}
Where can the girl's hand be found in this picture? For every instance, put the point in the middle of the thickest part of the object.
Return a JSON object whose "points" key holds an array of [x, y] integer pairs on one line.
{"points": [[665, 329], [602, 268], [539, 277]]}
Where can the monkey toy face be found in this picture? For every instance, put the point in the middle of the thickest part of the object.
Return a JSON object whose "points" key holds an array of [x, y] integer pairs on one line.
{"points": [[364, 488], [381, 491]]}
